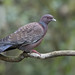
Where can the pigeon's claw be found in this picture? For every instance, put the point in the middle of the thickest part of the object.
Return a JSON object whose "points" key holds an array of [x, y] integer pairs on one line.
{"points": [[34, 51]]}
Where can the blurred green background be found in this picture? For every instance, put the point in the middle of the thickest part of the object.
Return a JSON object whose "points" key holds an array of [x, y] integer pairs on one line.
{"points": [[60, 35]]}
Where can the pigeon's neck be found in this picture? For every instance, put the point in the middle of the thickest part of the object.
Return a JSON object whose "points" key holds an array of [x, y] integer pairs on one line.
{"points": [[44, 25]]}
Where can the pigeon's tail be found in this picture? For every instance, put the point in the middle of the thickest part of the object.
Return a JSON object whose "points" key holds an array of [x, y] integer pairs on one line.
{"points": [[4, 44], [4, 47]]}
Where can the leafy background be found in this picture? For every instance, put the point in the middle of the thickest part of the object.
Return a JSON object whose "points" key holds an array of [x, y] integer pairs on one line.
{"points": [[60, 35]]}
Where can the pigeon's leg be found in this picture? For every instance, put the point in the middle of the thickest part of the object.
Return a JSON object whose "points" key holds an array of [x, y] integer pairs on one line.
{"points": [[34, 51]]}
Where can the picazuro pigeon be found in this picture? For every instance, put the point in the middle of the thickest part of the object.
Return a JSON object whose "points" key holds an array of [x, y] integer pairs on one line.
{"points": [[27, 37]]}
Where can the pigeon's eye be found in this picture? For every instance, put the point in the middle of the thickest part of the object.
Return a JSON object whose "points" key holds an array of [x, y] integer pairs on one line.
{"points": [[51, 17], [48, 17]]}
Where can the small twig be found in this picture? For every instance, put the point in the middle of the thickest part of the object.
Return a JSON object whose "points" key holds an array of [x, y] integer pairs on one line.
{"points": [[34, 55]]}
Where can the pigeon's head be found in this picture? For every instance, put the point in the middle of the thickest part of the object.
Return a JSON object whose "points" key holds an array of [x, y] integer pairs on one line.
{"points": [[47, 18]]}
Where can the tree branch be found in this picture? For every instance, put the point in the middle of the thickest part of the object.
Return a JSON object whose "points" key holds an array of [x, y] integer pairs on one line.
{"points": [[34, 55]]}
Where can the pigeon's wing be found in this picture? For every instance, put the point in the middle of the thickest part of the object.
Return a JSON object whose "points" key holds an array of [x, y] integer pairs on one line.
{"points": [[27, 34]]}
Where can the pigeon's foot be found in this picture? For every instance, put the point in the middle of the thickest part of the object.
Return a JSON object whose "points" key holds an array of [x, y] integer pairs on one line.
{"points": [[34, 51]]}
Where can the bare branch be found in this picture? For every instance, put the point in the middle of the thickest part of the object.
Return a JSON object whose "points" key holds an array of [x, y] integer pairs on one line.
{"points": [[54, 54], [34, 55]]}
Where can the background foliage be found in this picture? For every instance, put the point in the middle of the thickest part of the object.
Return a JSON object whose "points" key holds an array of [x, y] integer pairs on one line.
{"points": [[60, 35]]}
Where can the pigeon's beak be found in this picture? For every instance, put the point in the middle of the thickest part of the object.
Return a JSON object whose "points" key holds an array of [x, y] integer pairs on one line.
{"points": [[53, 19]]}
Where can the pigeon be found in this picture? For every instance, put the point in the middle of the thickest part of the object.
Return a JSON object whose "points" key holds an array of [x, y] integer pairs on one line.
{"points": [[27, 37]]}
